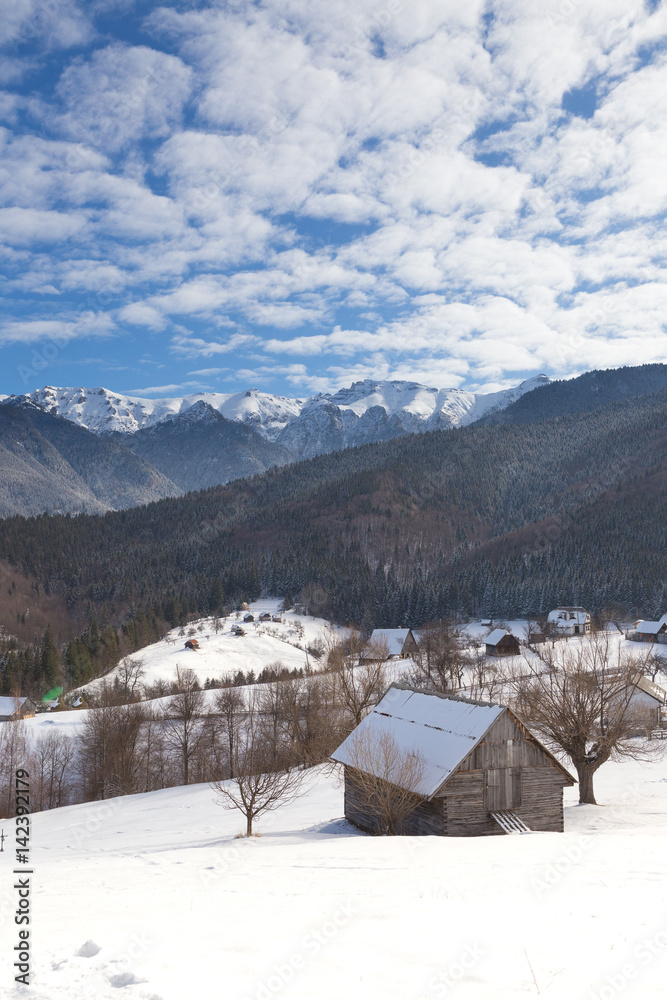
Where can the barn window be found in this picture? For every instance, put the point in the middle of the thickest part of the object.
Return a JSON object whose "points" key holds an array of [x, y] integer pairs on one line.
{"points": [[502, 787]]}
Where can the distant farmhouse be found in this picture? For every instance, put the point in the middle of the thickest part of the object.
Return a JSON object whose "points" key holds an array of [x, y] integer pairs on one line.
{"points": [[570, 621], [192, 644], [399, 643], [12, 709], [482, 772], [651, 631], [500, 642], [650, 699]]}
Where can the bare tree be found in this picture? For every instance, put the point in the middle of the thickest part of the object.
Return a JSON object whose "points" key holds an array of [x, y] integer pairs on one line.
{"points": [[225, 722], [386, 778], [442, 660], [154, 760], [355, 686], [309, 718], [654, 664], [184, 732], [255, 787], [51, 768], [13, 754], [583, 702], [109, 757], [129, 674], [486, 678]]}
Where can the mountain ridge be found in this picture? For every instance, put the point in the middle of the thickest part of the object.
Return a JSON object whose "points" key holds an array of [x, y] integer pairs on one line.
{"points": [[410, 406]]}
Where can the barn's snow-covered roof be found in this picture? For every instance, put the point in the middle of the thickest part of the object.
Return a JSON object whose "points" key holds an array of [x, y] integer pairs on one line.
{"points": [[648, 686], [442, 730], [9, 705], [393, 637], [493, 638]]}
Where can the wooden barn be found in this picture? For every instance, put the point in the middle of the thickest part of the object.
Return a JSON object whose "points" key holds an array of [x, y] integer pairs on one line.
{"points": [[399, 644], [482, 771], [192, 644], [12, 709], [248, 618], [651, 631], [500, 642]]}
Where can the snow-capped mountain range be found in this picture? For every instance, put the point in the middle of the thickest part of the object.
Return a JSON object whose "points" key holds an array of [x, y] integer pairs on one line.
{"points": [[366, 411], [104, 412]]}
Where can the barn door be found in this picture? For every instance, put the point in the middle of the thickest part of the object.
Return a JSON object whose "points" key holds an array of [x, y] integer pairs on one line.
{"points": [[503, 788]]}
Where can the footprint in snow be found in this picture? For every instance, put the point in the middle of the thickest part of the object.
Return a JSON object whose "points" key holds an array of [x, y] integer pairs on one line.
{"points": [[88, 950], [122, 979]]}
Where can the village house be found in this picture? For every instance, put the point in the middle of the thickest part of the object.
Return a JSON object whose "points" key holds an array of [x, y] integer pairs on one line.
{"points": [[482, 771], [649, 701], [570, 621], [500, 642], [650, 631], [12, 709], [396, 643]]}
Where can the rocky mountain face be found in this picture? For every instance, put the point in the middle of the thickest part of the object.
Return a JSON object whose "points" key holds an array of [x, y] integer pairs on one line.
{"points": [[105, 412], [199, 448], [378, 411]]}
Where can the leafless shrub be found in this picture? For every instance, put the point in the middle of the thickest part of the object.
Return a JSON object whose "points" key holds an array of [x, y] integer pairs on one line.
{"points": [[386, 778]]}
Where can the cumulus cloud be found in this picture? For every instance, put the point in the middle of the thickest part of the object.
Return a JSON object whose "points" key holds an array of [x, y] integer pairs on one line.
{"points": [[121, 94]]}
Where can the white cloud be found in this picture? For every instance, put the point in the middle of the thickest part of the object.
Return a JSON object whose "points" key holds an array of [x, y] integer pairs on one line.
{"points": [[23, 226], [172, 388], [60, 331], [51, 25], [121, 94]]}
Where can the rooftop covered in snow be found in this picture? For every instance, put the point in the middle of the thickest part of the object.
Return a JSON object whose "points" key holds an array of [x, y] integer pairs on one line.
{"points": [[441, 730]]}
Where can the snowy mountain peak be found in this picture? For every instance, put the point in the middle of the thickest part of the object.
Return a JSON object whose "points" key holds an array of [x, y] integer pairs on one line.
{"points": [[102, 411], [368, 410]]}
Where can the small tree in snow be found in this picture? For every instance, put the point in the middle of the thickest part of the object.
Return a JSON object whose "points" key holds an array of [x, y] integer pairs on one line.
{"points": [[256, 787], [129, 674]]}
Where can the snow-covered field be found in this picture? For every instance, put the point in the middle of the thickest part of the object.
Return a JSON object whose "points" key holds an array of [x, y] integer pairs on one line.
{"points": [[152, 897]]}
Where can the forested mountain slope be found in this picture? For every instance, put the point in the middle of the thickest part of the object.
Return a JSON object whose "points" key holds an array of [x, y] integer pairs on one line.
{"points": [[585, 393], [50, 464]]}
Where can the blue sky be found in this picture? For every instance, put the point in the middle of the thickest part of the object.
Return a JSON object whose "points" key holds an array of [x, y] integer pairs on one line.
{"points": [[293, 195]]}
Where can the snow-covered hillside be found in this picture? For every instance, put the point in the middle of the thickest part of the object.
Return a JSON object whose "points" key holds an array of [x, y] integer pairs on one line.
{"points": [[222, 654], [151, 897]]}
